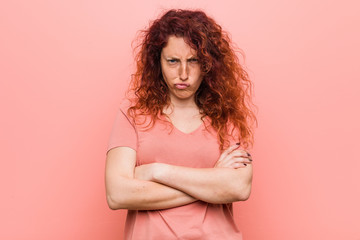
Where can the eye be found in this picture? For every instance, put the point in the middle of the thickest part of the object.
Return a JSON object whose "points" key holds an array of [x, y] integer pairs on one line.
{"points": [[172, 61]]}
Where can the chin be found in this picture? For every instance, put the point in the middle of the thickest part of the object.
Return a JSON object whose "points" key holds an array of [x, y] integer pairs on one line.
{"points": [[184, 97]]}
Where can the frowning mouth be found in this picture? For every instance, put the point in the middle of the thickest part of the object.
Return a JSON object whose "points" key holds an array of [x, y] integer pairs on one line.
{"points": [[181, 85]]}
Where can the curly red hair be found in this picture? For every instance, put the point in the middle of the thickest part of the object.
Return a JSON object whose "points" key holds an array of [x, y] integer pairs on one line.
{"points": [[225, 92]]}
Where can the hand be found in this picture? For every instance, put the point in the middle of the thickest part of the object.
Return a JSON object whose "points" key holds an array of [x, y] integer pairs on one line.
{"points": [[145, 172], [234, 158]]}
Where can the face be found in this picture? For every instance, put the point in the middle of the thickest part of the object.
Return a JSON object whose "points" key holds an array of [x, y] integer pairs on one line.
{"points": [[180, 69]]}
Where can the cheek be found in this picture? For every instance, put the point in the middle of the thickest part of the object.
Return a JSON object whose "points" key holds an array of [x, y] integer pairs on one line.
{"points": [[196, 71], [169, 73], [197, 75], [167, 77]]}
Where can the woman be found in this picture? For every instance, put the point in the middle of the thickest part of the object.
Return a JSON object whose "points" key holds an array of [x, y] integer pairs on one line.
{"points": [[176, 157]]}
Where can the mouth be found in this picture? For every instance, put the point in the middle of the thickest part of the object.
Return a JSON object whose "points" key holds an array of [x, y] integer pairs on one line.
{"points": [[181, 85]]}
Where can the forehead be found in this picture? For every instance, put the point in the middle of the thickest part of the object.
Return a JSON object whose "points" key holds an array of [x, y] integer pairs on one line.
{"points": [[176, 46]]}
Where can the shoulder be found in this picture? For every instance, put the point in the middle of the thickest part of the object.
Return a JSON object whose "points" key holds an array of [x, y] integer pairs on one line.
{"points": [[124, 105], [134, 117], [123, 108], [122, 116]]}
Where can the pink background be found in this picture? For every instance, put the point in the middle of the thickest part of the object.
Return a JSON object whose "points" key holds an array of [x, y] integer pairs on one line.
{"points": [[64, 66]]}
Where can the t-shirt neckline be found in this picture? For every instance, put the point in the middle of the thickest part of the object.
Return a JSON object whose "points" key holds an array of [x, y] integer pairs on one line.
{"points": [[203, 122]]}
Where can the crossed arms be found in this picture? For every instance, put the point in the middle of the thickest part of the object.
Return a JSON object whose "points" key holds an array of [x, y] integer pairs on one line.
{"points": [[160, 186]]}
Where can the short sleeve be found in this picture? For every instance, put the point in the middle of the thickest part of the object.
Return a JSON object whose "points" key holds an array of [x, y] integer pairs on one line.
{"points": [[123, 133]]}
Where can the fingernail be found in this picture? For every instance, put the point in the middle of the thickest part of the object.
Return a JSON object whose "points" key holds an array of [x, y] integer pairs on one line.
{"points": [[249, 154], [250, 160], [238, 143], [245, 164]]}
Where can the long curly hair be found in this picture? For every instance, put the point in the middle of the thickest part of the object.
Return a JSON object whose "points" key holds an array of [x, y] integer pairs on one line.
{"points": [[225, 92]]}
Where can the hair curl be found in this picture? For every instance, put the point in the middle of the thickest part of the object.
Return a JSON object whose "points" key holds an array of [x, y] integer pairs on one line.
{"points": [[225, 92]]}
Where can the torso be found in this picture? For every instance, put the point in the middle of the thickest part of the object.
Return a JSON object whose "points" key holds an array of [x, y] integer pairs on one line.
{"points": [[199, 148]]}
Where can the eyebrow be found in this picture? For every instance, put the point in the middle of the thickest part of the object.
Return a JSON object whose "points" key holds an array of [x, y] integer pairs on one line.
{"points": [[176, 58]]}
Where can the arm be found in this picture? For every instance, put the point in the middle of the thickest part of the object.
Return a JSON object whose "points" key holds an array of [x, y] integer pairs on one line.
{"points": [[229, 181], [123, 191], [213, 185]]}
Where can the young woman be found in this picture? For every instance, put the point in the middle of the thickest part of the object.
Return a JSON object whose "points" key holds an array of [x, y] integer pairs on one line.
{"points": [[176, 157]]}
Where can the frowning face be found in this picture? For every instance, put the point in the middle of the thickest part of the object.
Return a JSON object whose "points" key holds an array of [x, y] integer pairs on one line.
{"points": [[180, 69]]}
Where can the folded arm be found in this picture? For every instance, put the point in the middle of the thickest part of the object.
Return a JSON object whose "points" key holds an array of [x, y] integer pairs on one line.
{"points": [[123, 191], [213, 185], [160, 186], [229, 181]]}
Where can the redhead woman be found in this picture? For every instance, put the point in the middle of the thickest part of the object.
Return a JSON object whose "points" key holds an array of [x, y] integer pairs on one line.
{"points": [[178, 152]]}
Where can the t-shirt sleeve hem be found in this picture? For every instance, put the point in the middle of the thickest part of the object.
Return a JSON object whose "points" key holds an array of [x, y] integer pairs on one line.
{"points": [[123, 145]]}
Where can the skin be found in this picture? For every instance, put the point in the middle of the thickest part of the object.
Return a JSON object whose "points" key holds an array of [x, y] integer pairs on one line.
{"points": [[160, 186], [179, 64]]}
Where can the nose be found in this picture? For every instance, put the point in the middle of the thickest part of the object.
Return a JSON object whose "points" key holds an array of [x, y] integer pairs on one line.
{"points": [[184, 71]]}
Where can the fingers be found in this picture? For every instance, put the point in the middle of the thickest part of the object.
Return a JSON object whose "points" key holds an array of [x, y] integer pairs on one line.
{"points": [[234, 158], [233, 163], [231, 149], [238, 154], [238, 165], [228, 151], [238, 162]]}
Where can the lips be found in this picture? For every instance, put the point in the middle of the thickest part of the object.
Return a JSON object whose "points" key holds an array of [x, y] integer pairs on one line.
{"points": [[181, 85]]}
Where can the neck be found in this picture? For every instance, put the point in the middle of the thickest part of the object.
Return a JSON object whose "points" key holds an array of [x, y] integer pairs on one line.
{"points": [[180, 105], [183, 103]]}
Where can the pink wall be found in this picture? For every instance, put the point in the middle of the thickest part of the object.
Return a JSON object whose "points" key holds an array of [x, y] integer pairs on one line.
{"points": [[64, 66]]}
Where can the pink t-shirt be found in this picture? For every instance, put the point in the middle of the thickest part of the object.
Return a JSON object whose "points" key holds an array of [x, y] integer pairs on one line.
{"points": [[166, 144]]}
